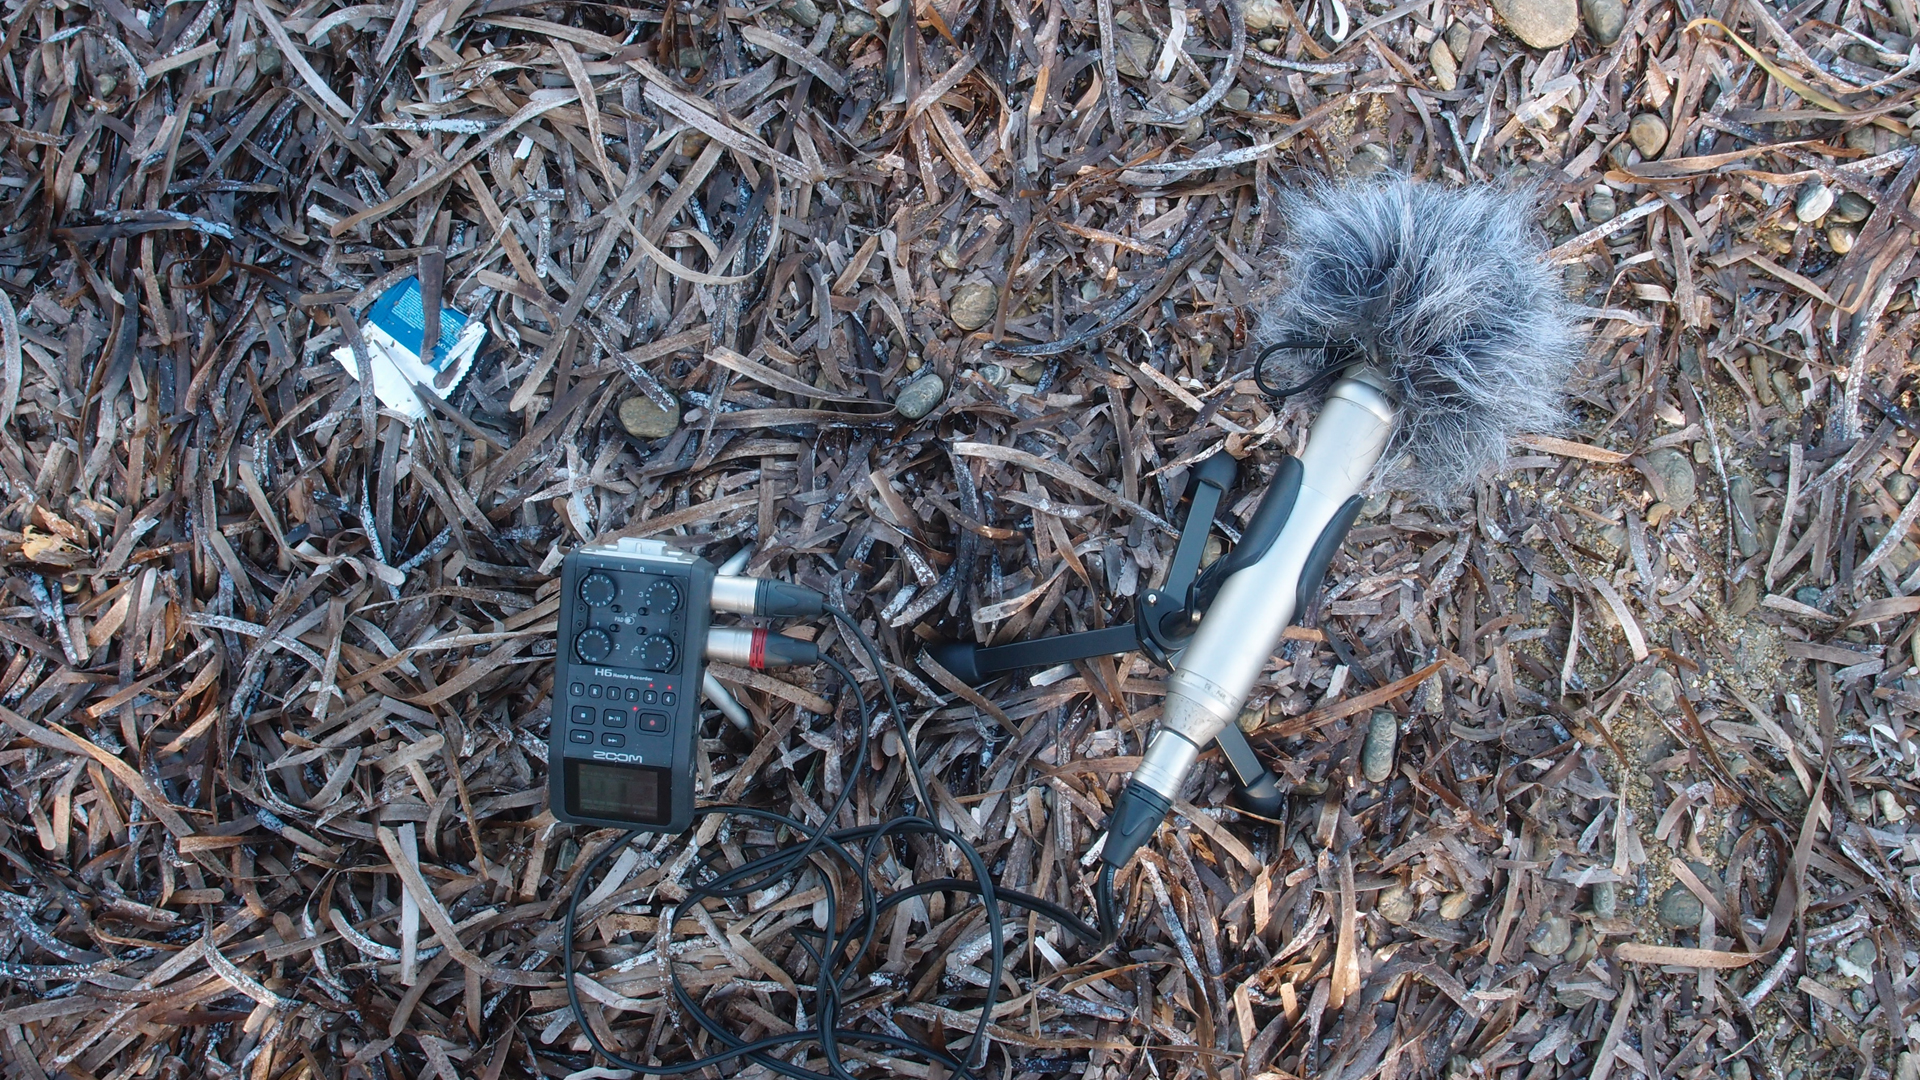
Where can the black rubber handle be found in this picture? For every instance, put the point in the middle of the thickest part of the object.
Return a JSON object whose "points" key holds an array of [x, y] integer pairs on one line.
{"points": [[1322, 555], [1262, 529]]}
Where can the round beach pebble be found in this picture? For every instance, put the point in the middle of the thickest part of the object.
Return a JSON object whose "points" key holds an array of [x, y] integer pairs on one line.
{"points": [[1395, 904], [1543, 24], [645, 419], [918, 397], [1851, 209], [972, 305], [1605, 19], [1679, 909], [1649, 134], [1813, 202]]}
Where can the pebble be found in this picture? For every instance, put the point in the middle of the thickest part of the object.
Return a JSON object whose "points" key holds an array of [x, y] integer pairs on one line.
{"points": [[1368, 159], [1864, 953], [266, 61], [1237, 99], [1863, 139], [1813, 202], [1788, 392], [1746, 535], [1459, 39], [858, 23], [1900, 486], [105, 85], [1661, 692], [972, 305], [1762, 380], [804, 12], [1265, 14], [1890, 807], [1679, 909], [1605, 19], [1808, 595], [918, 397], [1841, 237], [1376, 754], [1446, 70], [1395, 904], [1601, 206], [1850, 209], [645, 419], [1551, 937], [1861, 1002], [1583, 948], [995, 374], [1746, 597], [1456, 905], [1649, 134], [1270, 44], [1671, 474], [1740, 1070], [1906, 1066], [1543, 24], [1133, 53], [1606, 900]]}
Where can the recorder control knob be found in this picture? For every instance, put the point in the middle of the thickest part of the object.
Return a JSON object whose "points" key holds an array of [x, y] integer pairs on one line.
{"points": [[594, 645], [598, 590], [661, 597], [654, 653]]}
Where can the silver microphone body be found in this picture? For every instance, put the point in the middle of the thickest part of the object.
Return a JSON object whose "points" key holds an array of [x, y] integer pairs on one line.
{"points": [[1216, 671]]}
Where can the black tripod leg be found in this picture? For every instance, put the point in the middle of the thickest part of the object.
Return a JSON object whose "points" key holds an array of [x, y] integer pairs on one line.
{"points": [[1259, 789]]}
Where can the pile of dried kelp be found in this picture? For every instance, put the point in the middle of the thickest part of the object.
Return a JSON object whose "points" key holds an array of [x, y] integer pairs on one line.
{"points": [[1604, 771]]}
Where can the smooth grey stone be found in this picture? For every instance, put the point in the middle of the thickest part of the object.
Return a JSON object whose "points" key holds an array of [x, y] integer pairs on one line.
{"points": [[1850, 208], [1605, 19], [1376, 754], [1679, 909], [1813, 202], [918, 397], [1551, 937], [1672, 474]]}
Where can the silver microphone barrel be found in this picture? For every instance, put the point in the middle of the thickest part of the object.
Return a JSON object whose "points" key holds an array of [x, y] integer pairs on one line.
{"points": [[1243, 624]]}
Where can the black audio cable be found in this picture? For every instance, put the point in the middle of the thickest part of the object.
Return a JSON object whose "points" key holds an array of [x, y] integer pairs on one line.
{"points": [[837, 953]]}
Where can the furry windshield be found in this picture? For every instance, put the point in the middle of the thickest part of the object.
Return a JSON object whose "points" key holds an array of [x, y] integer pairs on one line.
{"points": [[1448, 291]]}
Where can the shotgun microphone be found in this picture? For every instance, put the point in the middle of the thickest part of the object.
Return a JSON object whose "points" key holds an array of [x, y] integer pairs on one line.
{"points": [[1442, 330]]}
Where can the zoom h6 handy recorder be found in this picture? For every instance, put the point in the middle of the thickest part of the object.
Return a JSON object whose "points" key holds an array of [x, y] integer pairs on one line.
{"points": [[634, 620]]}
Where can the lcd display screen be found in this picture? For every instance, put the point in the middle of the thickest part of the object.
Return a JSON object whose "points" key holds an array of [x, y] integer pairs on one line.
{"points": [[621, 792]]}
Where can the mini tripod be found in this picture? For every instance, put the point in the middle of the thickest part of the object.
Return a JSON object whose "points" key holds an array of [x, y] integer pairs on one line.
{"points": [[1166, 617]]}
